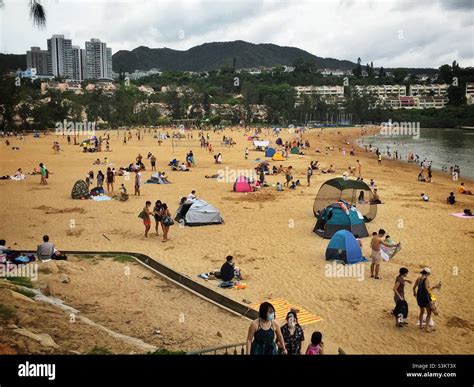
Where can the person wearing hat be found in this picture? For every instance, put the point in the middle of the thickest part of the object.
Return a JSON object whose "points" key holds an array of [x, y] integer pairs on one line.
{"points": [[293, 334], [421, 290]]}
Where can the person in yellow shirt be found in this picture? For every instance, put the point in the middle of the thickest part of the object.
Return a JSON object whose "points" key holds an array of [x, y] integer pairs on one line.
{"points": [[463, 190]]}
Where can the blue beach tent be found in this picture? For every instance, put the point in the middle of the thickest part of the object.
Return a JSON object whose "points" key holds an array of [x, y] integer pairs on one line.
{"points": [[269, 152], [344, 247]]}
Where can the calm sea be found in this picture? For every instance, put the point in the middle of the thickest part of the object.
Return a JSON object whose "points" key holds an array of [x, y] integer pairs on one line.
{"points": [[445, 147]]}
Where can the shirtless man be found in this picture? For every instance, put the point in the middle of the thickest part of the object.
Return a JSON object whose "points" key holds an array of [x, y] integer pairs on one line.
{"points": [[375, 254]]}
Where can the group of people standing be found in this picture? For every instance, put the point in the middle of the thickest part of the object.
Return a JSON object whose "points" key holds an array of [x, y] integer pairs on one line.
{"points": [[266, 336], [425, 299], [161, 214]]}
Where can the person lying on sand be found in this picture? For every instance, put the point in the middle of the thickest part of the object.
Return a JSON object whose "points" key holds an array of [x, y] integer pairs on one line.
{"points": [[216, 176]]}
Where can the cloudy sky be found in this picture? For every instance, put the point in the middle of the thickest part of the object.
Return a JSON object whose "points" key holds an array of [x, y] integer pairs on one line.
{"points": [[411, 33]]}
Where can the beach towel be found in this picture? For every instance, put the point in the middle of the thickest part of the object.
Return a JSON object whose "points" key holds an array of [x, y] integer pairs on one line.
{"points": [[282, 307], [461, 215], [101, 198], [387, 253]]}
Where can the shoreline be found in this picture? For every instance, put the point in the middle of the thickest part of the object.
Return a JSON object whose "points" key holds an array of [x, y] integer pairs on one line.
{"points": [[438, 171]]}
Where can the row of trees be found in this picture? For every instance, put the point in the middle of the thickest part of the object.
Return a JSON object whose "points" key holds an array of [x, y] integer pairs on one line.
{"points": [[199, 92]]}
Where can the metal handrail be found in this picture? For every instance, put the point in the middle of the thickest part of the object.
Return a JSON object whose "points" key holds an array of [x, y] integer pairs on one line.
{"points": [[214, 350]]}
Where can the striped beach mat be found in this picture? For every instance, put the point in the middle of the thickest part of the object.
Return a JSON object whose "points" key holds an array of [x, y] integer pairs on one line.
{"points": [[282, 307]]}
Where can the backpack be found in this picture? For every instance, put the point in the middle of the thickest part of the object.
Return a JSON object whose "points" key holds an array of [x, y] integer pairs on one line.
{"points": [[141, 215]]}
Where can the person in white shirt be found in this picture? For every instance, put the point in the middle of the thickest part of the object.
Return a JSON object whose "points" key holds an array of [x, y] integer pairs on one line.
{"points": [[425, 197], [192, 195], [138, 182]]}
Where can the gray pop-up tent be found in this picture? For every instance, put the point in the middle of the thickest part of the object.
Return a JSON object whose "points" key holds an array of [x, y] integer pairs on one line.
{"points": [[354, 192], [198, 213]]}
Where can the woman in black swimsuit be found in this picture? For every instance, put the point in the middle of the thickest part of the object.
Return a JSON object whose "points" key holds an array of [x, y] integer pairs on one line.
{"points": [[262, 332], [421, 290], [157, 216]]}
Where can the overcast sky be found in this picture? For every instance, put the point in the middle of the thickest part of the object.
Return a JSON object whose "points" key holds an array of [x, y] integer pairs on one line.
{"points": [[410, 33]]}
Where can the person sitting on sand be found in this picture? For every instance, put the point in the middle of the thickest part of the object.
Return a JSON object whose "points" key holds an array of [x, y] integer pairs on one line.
{"points": [[18, 175], [372, 183], [463, 190], [228, 271], [376, 198], [361, 198], [45, 250], [274, 170], [96, 162], [3, 248], [451, 199], [192, 195], [163, 177], [183, 168], [123, 194], [425, 197], [279, 187], [331, 169]]}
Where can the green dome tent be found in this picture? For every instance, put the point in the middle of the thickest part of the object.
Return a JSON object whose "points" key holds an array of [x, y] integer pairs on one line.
{"points": [[340, 216], [349, 191]]}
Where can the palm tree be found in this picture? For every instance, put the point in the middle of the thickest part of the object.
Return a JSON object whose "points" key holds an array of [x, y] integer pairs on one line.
{"points": [[37, 12]]}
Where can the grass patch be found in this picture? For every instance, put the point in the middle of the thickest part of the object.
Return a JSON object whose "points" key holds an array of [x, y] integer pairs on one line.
{"points": [[90, 256], [21, 281], [162, 351], [123, 258], [117, 258], [6, 313], [25, 292], [99, 351]]}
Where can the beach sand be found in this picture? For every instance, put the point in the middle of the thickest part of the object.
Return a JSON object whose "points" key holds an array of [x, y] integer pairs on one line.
{"points": [[269, 233]]}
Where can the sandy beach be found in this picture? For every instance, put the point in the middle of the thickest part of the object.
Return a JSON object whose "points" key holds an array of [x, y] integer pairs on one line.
{"points": [[269, 233]]}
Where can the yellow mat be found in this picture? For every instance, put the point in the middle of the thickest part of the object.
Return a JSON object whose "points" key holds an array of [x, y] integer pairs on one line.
{"points": [[282, 307]]}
